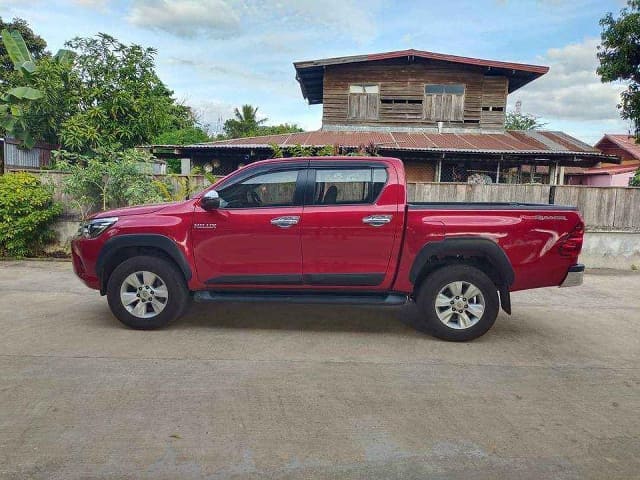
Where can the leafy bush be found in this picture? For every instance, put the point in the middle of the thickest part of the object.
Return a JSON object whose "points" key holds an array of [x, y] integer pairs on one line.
{"points": [[635, 180], [174, 188], [108, 179], [27, 211], [299, 151]]}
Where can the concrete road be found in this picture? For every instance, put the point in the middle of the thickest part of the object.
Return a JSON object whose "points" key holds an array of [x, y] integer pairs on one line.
{"points": [[266, 391]]}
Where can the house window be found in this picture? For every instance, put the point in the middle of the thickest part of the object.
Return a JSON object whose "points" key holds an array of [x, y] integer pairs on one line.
{"points": [[363, 101], [444, 102]]}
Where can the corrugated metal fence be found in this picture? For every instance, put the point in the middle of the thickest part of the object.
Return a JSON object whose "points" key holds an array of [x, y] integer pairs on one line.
{"points": [[37, 157]]}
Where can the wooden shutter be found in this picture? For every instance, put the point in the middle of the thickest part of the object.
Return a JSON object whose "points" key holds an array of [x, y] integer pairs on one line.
{"points": [[437, 107], [429, 113], [457, 108], [372, 106], [447, 108], [354, 105], [444, 103], [363, 101]]}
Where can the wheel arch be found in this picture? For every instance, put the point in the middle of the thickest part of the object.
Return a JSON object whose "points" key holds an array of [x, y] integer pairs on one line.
{"points": [[122, 247], [482, 253]]}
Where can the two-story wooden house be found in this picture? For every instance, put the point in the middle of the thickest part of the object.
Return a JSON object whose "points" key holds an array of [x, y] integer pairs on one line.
{"points": [[443, 115]]}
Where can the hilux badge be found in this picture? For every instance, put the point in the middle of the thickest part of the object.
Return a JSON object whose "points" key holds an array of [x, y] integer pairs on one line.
{"points": [[204, 226]]}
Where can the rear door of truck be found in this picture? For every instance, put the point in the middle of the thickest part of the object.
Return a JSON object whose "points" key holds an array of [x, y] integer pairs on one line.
{"points": [[351, 225]]}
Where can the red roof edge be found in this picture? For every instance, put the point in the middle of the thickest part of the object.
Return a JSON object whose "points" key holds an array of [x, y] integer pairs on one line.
{"points": [[458, 59], [611, 170]]}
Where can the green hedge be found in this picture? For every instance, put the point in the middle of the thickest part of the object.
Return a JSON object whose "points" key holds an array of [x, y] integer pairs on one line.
{"points": [[27, 211]]}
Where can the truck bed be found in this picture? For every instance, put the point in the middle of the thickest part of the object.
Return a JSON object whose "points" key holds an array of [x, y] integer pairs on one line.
{"points": [[528, 233], [487, 206]]}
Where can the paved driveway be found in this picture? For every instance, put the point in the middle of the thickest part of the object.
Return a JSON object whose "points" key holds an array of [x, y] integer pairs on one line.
{"points": [[266, 391]]}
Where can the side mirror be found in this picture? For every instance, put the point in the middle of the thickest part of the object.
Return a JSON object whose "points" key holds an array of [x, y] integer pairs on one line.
{"points": [[210, 200]]}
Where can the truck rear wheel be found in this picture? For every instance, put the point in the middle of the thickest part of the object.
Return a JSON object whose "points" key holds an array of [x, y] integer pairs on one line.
{"points": [[457, 303], [147, 292]]}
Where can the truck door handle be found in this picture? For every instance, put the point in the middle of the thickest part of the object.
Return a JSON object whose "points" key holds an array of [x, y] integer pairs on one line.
{"points": [[285, 222], [377, 220]]}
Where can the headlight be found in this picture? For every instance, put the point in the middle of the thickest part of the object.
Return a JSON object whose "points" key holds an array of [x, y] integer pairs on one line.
{"points": [[95, 227]]}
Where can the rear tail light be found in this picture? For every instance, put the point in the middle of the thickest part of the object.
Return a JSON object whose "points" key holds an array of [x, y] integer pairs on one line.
{"points": [[571, 245]]}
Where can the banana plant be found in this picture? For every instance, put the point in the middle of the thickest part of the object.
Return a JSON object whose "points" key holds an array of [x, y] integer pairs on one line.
{"points": [[15, 102]]}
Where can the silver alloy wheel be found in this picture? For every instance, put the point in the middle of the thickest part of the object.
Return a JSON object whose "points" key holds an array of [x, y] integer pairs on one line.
{"points": [[460, 305], [144, 294]]}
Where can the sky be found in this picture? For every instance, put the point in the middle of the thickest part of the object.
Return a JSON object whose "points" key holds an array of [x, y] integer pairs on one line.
{"points": [[219, 54]]}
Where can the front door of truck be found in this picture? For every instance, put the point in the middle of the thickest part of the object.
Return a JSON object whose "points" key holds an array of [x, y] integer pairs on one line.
{"points": [[349, 230], [253, 238]]}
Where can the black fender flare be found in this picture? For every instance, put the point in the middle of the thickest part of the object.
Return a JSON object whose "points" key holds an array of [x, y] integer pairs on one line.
{"points": [[161, 242], [465, 247]]}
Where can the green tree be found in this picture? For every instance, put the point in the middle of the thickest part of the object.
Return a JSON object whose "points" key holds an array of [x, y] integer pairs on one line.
{"points": [[26, 112], [279, 129], [521, 121], [619, 55], [59, 85], [121, 98], [35, 44], [635, 180], [183, 136], [245, 122]]}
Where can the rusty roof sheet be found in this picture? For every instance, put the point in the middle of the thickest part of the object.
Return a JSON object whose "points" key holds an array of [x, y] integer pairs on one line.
{"points": [[507, 142]]}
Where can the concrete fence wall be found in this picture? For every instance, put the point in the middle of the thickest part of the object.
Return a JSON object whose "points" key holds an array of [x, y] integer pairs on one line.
{"points": [[67, 225], [177, 183]]}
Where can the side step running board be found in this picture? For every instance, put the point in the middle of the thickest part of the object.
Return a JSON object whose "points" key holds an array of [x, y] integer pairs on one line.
{"points": [[389, 299]]}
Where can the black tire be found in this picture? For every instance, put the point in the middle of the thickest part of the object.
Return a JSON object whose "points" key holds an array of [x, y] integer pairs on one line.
{"points": [[177, 301], [435, 282]]}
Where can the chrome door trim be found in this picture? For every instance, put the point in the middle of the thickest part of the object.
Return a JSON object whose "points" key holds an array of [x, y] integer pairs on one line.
{"points": [[377, 220], [286, 221]]}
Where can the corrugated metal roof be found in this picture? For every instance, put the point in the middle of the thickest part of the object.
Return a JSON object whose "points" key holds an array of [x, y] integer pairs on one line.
{"points": [[611, 170], [310, 73], [521, 142], [625, 142]]}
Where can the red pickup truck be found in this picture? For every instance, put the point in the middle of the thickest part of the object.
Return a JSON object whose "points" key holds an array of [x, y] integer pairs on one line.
{"points": [[327, 230]]}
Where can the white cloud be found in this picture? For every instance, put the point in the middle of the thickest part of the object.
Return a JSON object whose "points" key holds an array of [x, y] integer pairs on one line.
{"points": [[186, 18], [91, 3], [212, 113], [571, 90], [354, 19]]}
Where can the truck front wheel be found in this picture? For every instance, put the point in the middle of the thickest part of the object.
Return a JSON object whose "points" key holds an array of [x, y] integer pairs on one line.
{"points": [[147, 292], [457, 303]]}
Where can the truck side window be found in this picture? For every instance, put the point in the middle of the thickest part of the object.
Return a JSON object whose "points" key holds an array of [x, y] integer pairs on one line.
{"points": [[348, 186], [274, 189]]}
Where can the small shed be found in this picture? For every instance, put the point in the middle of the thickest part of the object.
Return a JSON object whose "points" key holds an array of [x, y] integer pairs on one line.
{"points": [[14, 157], [605, 176]]}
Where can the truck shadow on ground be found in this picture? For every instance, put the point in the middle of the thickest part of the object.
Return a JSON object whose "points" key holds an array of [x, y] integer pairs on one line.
{"points": [[271, 316], [401, 321]]}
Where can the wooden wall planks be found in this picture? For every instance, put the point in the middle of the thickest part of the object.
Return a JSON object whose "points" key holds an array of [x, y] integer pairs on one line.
{"points": [[402, 81]]}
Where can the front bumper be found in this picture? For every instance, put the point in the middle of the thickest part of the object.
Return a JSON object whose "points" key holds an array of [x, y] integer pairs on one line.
{"points": [[574, 276], [83, 255]]}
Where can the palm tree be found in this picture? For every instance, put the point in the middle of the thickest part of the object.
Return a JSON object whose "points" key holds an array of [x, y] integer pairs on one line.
{"points": [[245, 122]]}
